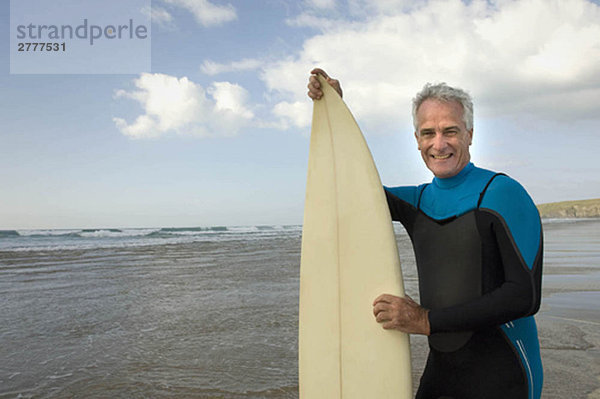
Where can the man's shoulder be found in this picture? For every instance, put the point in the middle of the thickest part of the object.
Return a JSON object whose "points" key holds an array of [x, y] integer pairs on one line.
{"points": [[499, 185], [506, 191], [508, 199]]}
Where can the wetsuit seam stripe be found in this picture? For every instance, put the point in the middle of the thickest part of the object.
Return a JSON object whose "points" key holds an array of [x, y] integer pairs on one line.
{"points": [[337, 232], [540, 249], [537, 263], [421, 196], [530, 373], [482, 194], [516, 354]]}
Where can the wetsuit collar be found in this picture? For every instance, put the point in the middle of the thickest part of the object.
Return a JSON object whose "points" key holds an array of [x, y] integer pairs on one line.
{"points": [[455, 180]]}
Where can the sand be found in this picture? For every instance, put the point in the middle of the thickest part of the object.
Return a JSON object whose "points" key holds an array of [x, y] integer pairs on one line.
{"points": [[569, 331]]}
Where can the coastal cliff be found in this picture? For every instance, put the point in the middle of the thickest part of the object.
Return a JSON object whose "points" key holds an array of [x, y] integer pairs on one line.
{"points": [[571, 209]]}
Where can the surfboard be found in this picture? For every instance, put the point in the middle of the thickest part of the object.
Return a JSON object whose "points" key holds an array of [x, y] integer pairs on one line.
{"points": [[349, 257]]}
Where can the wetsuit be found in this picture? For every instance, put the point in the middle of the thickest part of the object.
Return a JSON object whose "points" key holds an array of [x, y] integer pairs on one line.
{"points": [[477, 238]]}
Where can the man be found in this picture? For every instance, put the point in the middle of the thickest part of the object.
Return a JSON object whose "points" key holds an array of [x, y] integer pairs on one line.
{"points": [[478, 244]]}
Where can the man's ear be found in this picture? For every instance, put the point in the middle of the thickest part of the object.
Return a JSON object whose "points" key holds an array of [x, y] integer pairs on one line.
{"points": [[470, 136], [417, 138]]}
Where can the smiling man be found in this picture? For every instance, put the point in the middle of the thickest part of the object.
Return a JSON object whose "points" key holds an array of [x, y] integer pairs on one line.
{"points": [[442, 136], [477, 239]]}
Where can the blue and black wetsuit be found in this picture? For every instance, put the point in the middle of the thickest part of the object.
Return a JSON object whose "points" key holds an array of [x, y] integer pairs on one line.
{"points": [[477, 238]]}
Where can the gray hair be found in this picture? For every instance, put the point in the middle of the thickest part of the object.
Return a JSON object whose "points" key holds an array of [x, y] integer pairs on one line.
{"points": [[443, 92]]}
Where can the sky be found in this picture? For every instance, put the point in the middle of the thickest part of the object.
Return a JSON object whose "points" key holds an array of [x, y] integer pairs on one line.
{"points": [[217, 131]]}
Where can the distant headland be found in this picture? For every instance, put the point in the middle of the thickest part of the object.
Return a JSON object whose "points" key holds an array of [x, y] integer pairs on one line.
{"points": [[571, 209]]}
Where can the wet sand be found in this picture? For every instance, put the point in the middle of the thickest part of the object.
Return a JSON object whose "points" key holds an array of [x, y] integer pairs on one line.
{"points": [[569, 319], [569, 330]]}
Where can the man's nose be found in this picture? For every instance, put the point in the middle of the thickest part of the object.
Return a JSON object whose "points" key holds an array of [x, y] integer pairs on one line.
{"points": [[439, 142]]}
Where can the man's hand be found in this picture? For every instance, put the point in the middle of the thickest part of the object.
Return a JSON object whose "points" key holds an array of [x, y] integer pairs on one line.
{"points": [[402, 314], [314, 87]]}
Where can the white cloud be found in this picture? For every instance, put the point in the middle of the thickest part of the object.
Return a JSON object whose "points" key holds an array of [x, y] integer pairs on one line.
{"points": [[206, 13], [179, 106], [293, 114], [360, 8], [321, 4], [159, 15], [230, 97], [214, 68], [309, 20], [515, 57]]}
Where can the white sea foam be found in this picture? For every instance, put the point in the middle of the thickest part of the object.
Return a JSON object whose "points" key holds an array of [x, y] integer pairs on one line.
{"points": [[117, 233], [566, 220], [87, 239], [58, 232]]}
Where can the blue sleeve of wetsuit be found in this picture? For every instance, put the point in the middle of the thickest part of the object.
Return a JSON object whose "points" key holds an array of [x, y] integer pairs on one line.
{"points": [[512, 220], [509, 199]]}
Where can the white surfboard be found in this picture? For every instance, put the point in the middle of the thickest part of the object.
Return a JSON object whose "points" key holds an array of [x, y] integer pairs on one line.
{"points": [[349, 258]]}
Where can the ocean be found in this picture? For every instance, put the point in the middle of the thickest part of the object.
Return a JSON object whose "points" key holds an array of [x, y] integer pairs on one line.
{"points": [[207, 312]]}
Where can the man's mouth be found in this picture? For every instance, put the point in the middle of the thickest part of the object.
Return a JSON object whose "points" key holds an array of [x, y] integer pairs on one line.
{"points": [[446, 156]]}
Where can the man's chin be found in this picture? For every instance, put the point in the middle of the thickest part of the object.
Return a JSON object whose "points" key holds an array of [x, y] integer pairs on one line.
{"points": [[442, 172]]}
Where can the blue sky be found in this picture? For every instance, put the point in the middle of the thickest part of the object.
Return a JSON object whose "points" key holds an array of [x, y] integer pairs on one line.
{"points": [[216, 133]]}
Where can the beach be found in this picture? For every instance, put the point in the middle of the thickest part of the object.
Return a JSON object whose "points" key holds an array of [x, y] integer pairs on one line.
{"points": [[569, 319], [212, 312]]}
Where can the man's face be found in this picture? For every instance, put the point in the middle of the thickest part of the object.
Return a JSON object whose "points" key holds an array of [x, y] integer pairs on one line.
{"points": [[442, 137]]}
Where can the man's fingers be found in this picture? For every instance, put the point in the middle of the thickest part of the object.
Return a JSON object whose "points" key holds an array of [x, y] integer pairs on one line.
{"points": [[383, 316], [387, 298], [388, 326], [380, 307], [332, 82], [314, 88], [313, 82], [376, 310], [319, 71]]}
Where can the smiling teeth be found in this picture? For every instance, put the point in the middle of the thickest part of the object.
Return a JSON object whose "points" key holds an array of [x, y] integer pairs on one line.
{"points": [[441, 156]]}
